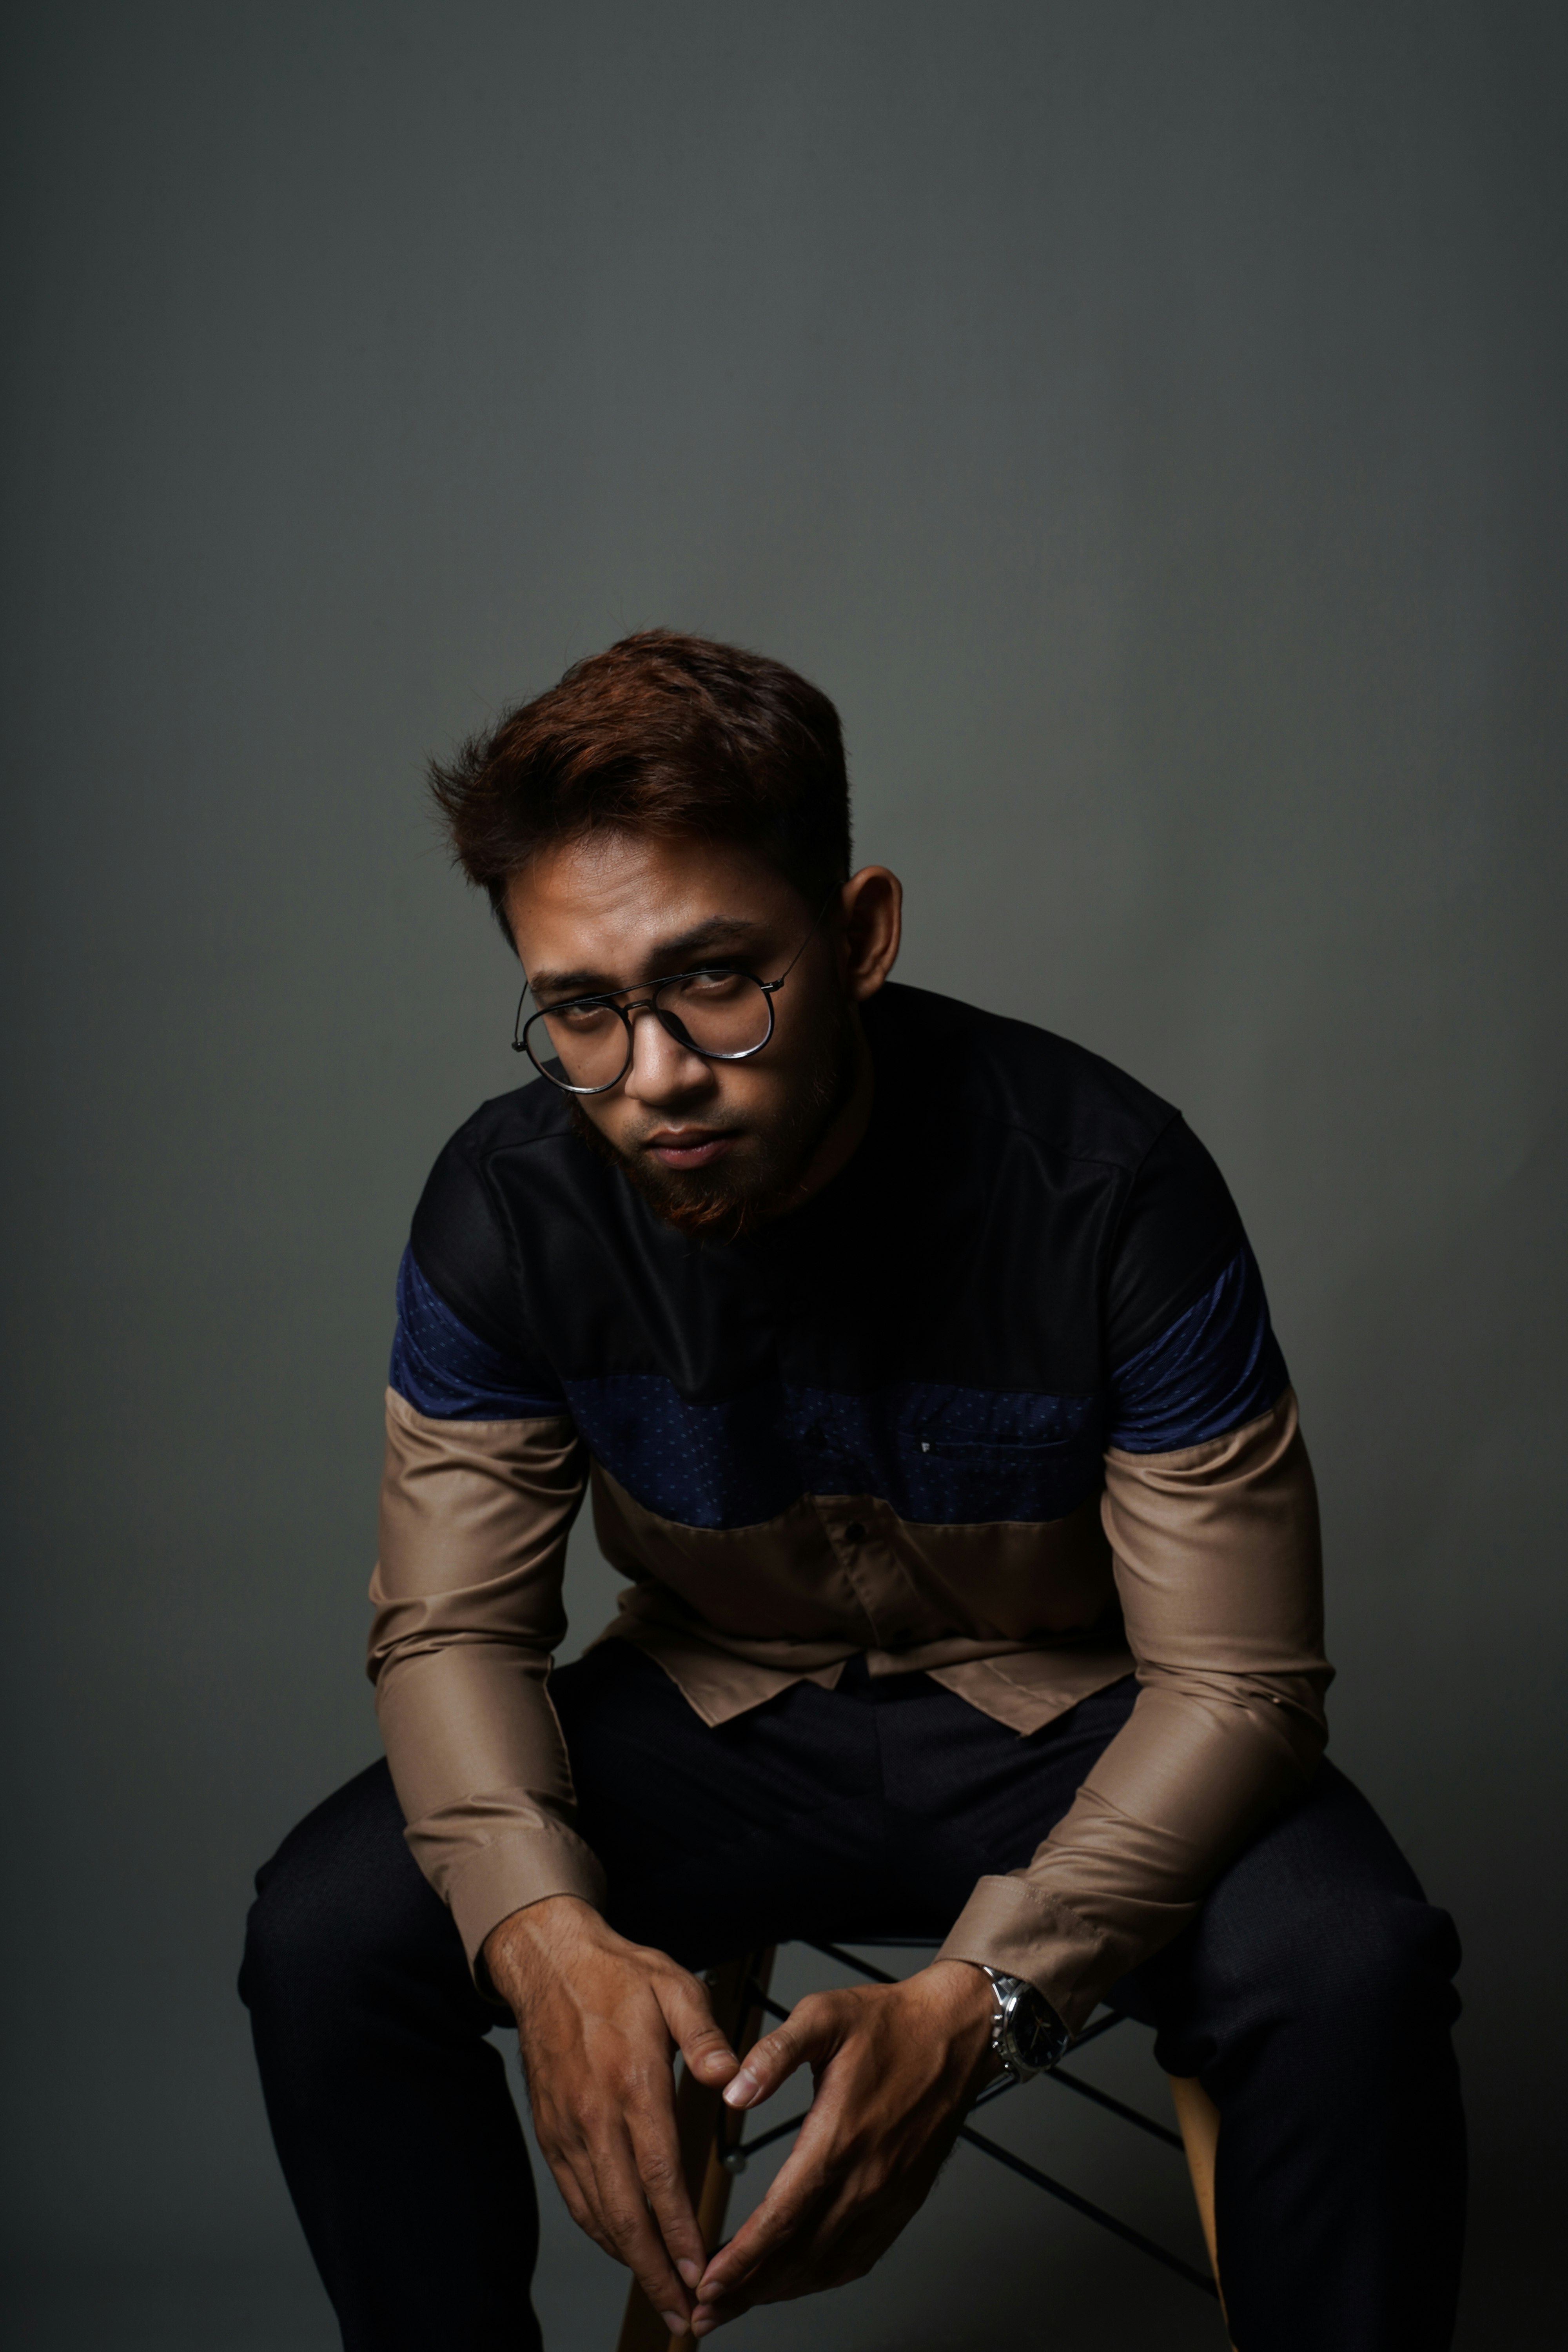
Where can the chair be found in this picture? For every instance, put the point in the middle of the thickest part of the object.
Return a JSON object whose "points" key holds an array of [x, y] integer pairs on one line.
{"points": [[713, 2147]]}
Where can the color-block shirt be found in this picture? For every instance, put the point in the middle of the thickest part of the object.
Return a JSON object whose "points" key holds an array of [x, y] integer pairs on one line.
{"points": [[1001, 1404]]}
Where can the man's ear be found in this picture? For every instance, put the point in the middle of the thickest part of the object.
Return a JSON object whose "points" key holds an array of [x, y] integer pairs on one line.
{"points": [[871, 908]]}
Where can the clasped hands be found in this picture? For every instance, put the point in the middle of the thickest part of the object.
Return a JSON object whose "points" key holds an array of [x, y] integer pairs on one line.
{"points": [[894, 2067]]}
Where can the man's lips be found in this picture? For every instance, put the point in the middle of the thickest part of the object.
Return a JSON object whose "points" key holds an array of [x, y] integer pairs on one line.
{"points": [[690, 1148]]}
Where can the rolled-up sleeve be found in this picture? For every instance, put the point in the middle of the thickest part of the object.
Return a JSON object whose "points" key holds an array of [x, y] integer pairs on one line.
{"points": [[475, 1517], [1218, 1563]]}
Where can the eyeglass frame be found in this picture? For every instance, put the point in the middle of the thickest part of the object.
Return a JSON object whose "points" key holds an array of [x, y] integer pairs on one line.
{"points": [[646, 992]]}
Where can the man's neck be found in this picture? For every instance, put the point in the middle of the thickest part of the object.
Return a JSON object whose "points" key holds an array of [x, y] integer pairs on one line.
{"points": [[847, 1133]]}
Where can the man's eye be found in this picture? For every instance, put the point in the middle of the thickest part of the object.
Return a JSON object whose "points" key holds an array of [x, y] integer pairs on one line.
{"points": [[713, 984], [580, 1018]]}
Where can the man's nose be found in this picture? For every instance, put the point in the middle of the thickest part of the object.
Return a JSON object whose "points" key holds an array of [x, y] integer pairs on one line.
{"points": [[662, 1069]]}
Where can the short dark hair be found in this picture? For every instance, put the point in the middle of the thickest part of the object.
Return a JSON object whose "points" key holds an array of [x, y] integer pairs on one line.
{"points": [[659, 733]]}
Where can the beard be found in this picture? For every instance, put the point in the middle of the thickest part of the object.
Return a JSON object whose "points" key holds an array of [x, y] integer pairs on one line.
{"points": [[761, 1177]]}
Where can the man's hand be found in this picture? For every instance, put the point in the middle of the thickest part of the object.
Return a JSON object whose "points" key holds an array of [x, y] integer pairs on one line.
{"points": [[599, 2020], [896, 2067]]}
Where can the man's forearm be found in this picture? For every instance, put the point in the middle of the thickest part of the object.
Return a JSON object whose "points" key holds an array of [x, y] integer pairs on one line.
{"points": [[481, 1773], [474, 1522], [1217, 1564]]}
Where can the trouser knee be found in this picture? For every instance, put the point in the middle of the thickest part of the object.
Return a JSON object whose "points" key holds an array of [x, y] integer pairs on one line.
{"points": [[337, 1908], [1364, 1990], [1384, 1971]]}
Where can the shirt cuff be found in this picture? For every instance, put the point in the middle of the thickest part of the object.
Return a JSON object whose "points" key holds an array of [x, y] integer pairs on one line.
{"points": [[1008, 1926], [508, 1874]]}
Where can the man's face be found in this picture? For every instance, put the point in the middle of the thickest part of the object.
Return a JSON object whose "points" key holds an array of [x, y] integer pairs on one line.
{"points": [[714, 1146]]}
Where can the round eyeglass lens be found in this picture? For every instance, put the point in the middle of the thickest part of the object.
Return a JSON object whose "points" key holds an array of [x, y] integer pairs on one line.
{"points": [[723, 1015], [720, 1014], [588, 1041]]}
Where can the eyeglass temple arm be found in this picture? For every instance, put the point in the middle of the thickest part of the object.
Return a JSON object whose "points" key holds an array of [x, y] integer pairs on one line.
{"points": [[768, 986]]}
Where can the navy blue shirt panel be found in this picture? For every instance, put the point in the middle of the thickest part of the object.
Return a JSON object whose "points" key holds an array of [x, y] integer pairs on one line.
{"points": [[1212, 1368], [449, 1373]]}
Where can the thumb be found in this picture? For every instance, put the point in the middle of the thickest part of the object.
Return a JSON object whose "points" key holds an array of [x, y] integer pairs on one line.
{"points": [[689, 2013], [810, 2032]]}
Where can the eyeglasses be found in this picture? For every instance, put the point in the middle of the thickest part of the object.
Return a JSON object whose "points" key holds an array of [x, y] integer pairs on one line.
{"points": [[585, 1045]]}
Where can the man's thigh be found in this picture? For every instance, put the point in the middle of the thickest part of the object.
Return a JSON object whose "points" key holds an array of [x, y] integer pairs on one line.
{"points": [[1318, 1932], [343, 1915]]}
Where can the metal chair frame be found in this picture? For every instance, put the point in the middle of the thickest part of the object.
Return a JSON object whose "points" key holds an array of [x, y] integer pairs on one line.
{"points": [[713, 2148]]}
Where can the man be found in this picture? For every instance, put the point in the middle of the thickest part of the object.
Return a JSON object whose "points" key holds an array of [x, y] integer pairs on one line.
{"points": [[923, 1380]]}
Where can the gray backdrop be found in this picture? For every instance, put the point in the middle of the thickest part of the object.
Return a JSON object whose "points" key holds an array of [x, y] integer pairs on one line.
{"points": [[1148, 423]]}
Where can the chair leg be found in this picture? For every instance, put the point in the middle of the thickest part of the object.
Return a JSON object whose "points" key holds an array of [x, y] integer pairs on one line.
{"points": [[1197, 2119], [706, 2126]]}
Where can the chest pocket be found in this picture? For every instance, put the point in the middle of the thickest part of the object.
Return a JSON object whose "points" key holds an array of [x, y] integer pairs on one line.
{"points": [[966, 1481]]}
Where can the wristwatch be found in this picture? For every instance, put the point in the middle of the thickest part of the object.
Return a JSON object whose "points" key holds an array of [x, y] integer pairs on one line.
{"points": [[1026, 2034]]}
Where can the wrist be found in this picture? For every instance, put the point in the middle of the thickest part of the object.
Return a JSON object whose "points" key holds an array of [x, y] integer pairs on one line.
{"points": [[968, 1985], [547, 1934], [969, 2009]]}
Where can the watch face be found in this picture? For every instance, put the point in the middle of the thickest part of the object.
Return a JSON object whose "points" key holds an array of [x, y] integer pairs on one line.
{"points": [[1033, 2028]]}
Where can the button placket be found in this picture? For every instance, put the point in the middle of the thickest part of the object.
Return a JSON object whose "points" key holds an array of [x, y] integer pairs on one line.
{"points": [[851, 1524]]}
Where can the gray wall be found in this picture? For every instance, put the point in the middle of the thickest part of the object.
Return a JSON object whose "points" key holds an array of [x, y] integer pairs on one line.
{"points": [[1148, 423]]}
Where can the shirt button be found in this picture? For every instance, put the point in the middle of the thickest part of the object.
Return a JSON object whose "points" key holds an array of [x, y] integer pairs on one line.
{"points": [[855, 1532]]}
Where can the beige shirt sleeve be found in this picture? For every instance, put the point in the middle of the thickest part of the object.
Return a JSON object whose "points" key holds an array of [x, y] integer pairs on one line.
{"points": [[1217, 1564], [474, 1522]]}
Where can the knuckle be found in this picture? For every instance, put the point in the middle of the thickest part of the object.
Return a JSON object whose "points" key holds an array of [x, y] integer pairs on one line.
{"points": [[589, 2220], [576, 2204], [820, 2014], [622, 2224]]}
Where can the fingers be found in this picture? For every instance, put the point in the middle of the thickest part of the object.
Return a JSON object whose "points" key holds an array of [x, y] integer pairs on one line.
{"points": [[689, 2013], [773, 2237], [753, 2264], [814, 2230], [607, 2196], [808, 2036], [656, 2149], [793, 2200]]}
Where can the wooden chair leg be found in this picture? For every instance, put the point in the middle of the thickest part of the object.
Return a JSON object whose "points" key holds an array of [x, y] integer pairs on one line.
{"points": [[707, 2127], [1197, 2119]]}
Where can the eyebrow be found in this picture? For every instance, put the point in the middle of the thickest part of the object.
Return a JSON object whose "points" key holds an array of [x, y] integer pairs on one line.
{"points": [[669, 956]]}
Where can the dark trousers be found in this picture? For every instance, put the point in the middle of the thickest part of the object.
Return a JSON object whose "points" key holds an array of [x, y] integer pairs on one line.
{"points": [[1312, 1996]]}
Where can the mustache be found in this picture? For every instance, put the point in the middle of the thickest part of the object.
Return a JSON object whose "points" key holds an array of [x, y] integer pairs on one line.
{"points": [[707, 1130]]}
